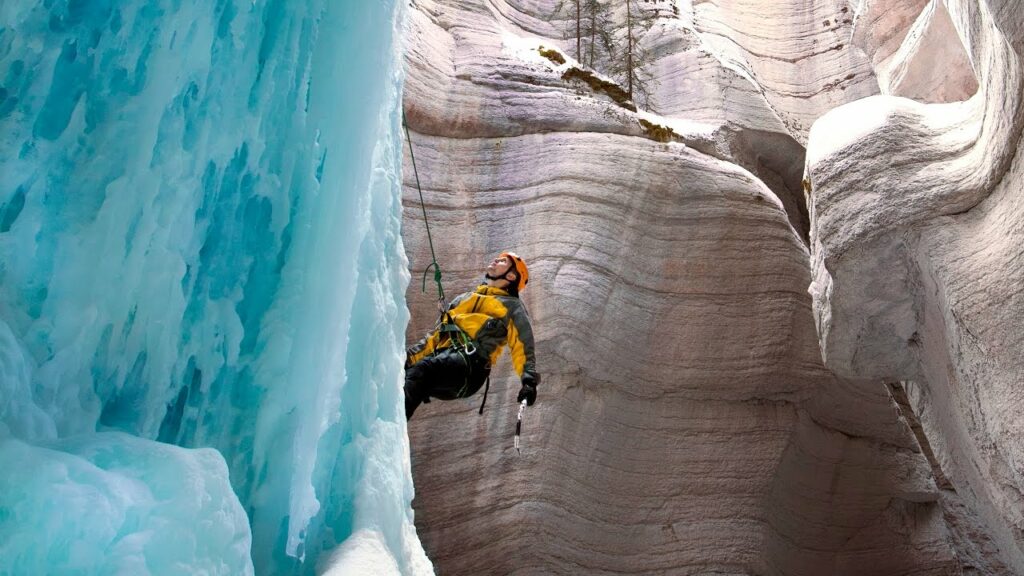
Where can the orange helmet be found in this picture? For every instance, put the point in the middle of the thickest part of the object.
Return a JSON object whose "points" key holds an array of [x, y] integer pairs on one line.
{"points": [[521, 270]]}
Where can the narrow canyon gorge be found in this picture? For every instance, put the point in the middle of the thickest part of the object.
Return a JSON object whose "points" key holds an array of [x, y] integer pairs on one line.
{"points": [[777, 300]]}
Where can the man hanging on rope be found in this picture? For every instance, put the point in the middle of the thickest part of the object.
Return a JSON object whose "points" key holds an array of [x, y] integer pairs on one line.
{"points": [[455, 359]]}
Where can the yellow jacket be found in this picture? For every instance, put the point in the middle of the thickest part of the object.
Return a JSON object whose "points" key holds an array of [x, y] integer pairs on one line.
{"points": [[493, 318]]}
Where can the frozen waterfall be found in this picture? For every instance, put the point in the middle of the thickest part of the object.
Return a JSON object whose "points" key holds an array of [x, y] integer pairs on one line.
{"points": [[202, 289]]}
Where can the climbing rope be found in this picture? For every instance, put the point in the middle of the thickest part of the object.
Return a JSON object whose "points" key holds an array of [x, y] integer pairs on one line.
{"points": [[461, 340], [442, 302]]}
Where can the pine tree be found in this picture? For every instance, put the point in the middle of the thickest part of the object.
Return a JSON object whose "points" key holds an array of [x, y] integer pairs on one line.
{"points": [[591, 24], [632, 65], [598, 26], [572, 12]]}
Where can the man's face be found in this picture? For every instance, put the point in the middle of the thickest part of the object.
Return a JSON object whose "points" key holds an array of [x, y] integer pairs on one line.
{"points": [[499, 266]]}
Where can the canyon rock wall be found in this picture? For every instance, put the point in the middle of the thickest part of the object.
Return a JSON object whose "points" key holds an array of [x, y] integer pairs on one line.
{"points": [[686, 423], [918, 236]]}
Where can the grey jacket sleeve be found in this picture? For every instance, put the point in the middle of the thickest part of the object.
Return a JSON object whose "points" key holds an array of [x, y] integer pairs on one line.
{"points": [[520, 342]]}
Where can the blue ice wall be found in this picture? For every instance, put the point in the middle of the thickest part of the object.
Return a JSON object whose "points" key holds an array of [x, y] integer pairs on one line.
{"points": [[201, 275]]}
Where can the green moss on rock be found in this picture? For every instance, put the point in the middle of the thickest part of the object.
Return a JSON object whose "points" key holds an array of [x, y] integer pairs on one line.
{"points": [[658, 132], [611, 89], [552, 54]]}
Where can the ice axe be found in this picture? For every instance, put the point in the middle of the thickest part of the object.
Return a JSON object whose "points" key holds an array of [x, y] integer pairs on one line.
{"points": [[519, 426]]}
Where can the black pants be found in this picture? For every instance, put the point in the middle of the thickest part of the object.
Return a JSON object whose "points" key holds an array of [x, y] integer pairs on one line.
{"points": [[446, 375]]}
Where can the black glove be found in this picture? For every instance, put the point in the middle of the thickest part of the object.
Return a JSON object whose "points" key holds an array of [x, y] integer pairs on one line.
{"points": [[529, 390]]}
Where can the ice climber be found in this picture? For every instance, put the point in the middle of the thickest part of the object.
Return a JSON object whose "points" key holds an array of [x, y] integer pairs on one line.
{"points": [[455, 359]]}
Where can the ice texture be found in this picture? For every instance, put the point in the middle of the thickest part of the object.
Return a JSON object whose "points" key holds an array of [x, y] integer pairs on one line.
{"points": [[200, 246], [112, 503]]}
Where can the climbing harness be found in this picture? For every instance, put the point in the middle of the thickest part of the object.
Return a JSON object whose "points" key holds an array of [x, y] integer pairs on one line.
{"points": [[446, 326], [519, 426]]}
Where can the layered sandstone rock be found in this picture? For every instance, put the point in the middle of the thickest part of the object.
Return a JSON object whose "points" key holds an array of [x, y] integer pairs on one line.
{"points": [[686, 423], [918, 238]]}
